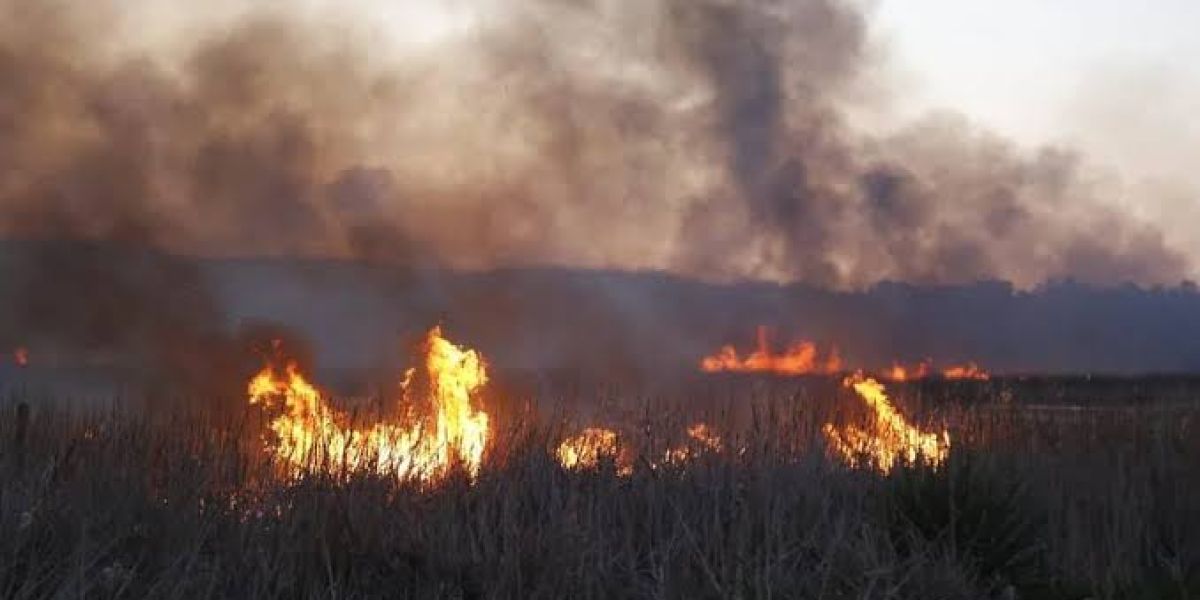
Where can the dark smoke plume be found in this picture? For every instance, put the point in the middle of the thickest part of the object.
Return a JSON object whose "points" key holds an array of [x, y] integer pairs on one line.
{"points": [[708, 138]]}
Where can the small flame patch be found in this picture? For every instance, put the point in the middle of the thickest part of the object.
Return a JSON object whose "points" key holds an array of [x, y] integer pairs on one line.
{"points": [[800, 358]]}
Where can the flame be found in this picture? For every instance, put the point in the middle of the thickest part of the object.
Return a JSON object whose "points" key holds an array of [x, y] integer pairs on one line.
{"points": [[455, 375], [305, 430], [703, 434], [967, 371], [586, 449], [890, 439], [310, 434], [800, 358], [593, 445], [21, 356], [702, 439], [900, 373]]}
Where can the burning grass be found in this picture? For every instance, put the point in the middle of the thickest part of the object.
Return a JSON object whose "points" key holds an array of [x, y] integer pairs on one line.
{"points": [[306, 429], [751, 501]]}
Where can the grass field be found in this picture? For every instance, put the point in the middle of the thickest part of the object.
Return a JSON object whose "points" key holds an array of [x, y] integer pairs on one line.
{"points": [[1038, 499]]}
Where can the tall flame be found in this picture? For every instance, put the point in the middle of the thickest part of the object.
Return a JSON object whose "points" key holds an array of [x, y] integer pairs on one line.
{"points": [[309, 434], [800, 358], [455, 374], [888, 439]]}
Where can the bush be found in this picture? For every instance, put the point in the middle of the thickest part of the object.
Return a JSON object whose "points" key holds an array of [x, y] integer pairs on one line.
{"points": [[973, 513]]}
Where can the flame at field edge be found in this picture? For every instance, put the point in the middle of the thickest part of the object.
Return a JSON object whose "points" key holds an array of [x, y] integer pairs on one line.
{"points": [[799, 358]]}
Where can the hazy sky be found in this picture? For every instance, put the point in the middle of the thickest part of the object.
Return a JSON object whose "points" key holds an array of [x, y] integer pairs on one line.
{"points": [[1117, 79], [1057, 69]]}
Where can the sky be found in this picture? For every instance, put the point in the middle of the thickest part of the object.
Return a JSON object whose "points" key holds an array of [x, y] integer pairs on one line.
{"points": [[1120, 79], [1117, 80]]}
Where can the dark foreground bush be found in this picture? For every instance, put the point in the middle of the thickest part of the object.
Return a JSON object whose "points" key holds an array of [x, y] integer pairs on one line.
{"points": [[978, 515]]}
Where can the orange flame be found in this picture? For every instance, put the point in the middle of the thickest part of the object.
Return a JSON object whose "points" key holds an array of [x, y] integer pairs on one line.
{"points": [[900, 373], [455, 376], [800, 358], [21, 356], [310, 434], [593, 445], [967, 371], [889, 439], [587, 449], [702, 433], [306, 431], [702, 439]]}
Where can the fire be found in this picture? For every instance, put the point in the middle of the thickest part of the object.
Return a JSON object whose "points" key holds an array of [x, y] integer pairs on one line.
{"points": [[455, 376], [588, 448], [800, 358], [704, 434], [889, 439], [309, 433], [803, 358], [900, 373], [701, 439], [306, 431], [21, 356], [967, 371], [593, 445]]}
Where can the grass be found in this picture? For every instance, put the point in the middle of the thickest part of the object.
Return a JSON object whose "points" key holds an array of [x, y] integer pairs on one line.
{"points": [[1098, 503]]}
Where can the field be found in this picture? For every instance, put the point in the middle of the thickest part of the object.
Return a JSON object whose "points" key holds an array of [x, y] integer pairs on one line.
{"points": [[1053, 488]]}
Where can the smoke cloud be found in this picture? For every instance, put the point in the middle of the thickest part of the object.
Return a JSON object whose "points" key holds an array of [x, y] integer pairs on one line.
{"points": [[704, 138]]}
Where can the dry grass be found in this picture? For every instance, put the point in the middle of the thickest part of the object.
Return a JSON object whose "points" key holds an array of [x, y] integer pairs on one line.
{"points": [[1033, 504]]}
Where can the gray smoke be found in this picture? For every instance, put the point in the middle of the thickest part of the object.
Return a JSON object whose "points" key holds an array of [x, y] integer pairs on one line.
{"points": [[706, 138]]}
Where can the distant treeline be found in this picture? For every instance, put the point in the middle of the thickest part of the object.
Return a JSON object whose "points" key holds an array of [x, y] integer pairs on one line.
{"points": [[599, 322], [645, 322]]}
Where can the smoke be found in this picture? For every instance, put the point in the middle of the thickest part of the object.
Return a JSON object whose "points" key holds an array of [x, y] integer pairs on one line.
{"points": [[705, 138]]}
